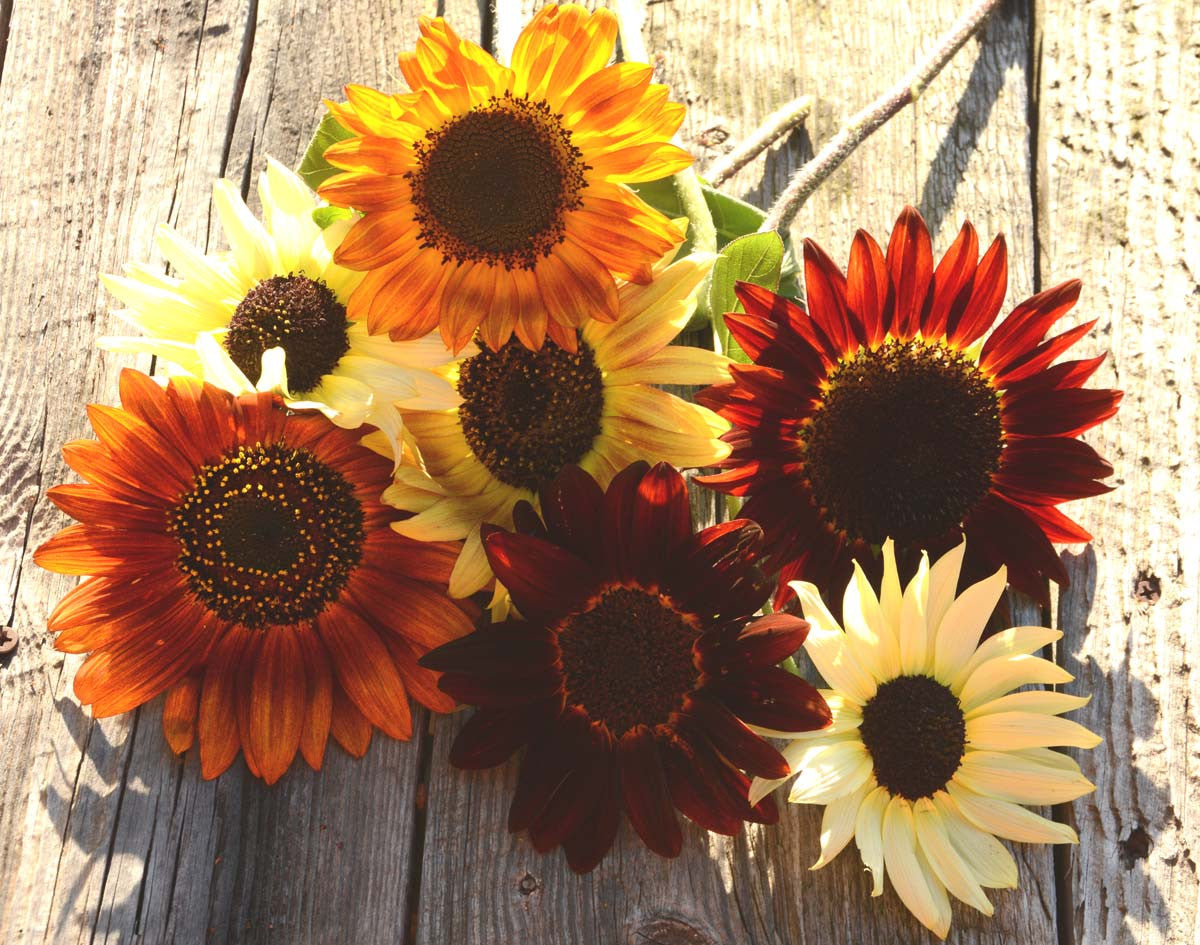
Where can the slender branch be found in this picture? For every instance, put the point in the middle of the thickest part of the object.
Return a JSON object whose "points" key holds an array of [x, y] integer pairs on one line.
{"points": [[873, 117], [773, 127]]}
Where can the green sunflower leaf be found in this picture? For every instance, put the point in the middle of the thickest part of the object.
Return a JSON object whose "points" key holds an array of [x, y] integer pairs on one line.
{"points": [[757, 258], [324, 217], [732, 217], [314, 170]]}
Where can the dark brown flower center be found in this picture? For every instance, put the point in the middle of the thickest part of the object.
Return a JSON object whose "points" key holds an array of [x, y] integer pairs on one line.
{"points": [[527, 414], [268, 535], [494, 184], [628, 660], [295, 313], [904, 442], [913, 727]]}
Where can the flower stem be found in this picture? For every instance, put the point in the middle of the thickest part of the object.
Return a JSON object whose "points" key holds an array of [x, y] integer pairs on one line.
{"points": [[874, 116], [630, 15], [773, 127]]}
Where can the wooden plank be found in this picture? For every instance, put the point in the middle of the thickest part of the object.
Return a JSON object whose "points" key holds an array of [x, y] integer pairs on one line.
{"points": [[108, 838], [1118, 158], [963, 152]]}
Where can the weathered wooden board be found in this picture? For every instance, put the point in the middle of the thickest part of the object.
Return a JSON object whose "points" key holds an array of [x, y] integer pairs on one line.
{"points": [[1119, 159], [123, 115]]}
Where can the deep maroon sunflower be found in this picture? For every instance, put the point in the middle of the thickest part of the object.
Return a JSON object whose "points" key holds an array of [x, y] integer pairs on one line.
{"points": [[635, 672], [243, 564], [883, 411]]}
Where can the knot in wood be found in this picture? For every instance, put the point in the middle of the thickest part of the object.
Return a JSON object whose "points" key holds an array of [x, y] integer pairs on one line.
{"points": [[667, 930]]}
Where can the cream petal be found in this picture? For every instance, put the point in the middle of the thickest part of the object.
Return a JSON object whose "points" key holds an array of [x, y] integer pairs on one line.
{"points": [[657, 408], [471, 571], [1004, 674], [868, 836], [837, 823], [253, 248], [1049, 758], [350, 399], [959, 632], [181, 354], [163, 312], [834, 771], [951, 869], [917, 887], [273, 371], [1013, 778], [891, 595], [1008, 642], [388, 382], [219, 368], [1008, 820], [993, 865], [1046, 701], [826, 647], [208, 274], [446, 520], [872, 641], [675, 364], [1008, 731], [796, 755], [915, 649], [943, 586]]}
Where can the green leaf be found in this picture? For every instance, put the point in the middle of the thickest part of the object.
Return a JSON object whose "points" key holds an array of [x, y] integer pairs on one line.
{"points": [[314, 170], [731, 217], [757, 258], [324, 217]]}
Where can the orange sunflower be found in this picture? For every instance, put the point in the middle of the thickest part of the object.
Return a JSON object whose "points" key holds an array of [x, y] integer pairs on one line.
{"points": [[242, 563], [494, 198]]}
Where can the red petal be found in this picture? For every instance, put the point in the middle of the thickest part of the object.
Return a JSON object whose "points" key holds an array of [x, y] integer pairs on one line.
{"points": [[1027, 325], [868, 286], [1029, 364], [825, 293], [735, 741], [695, 795], [545, 581], [1056, 412], [1048, 471], [616, 521], [766, 304], [975, 312], [910, 265], [644, 789], [492, 735], [772, 698], [1056, 526], [953, 274], [765, 642], [660, 523]]}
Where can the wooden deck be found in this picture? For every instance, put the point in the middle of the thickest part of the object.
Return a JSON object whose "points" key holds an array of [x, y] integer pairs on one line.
{"points": [[1073, 127]]}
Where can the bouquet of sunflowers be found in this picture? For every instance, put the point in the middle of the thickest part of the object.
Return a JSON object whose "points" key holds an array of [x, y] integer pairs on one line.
{"points": [[412, 439]]}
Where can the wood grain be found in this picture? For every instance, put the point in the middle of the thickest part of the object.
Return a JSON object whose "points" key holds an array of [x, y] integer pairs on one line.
{"points": [[1119, 157]]}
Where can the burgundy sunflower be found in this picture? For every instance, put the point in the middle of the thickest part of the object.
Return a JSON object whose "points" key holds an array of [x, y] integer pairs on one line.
{"points": [[636, 669], [883, 411], [242, 563]]}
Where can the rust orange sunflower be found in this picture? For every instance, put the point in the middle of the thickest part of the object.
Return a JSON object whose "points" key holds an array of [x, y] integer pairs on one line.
{"points": [[891, 406], [241, 562], [495, 198]]}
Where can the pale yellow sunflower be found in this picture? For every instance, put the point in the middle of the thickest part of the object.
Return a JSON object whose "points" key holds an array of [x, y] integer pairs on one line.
{"points": [[269, 314], [526, 414], [931, 753]]}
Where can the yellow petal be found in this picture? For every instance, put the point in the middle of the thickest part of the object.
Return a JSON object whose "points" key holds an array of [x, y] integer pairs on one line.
{"points": [[1019, 780], [993, 865], [959, 632], [1008, 731], [1004, 674], [915, 639], [948, 865], [1008, 820], [837, 823], [918, 889], [868, 836]]}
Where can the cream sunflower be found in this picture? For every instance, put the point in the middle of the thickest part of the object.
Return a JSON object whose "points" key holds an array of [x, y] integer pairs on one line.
{"points": [[526, 414], [269, 314], [931, 753]]}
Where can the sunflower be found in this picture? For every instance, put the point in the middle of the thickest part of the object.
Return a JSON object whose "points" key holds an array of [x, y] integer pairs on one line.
{"points": [[526, 414], [930, 752], [880, 412], [495, 197], [270, 314], [242, 563], [634, 672]]}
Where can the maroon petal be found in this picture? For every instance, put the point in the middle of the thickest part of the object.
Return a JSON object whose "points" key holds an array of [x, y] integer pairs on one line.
{"points": [[694, 795], [772, 698], [975, 312], [1050, 470], [545, 581], [765, 642], [1057, 412], [661, 522], [1056, 526], [504, 690], [910, 265], [492, 735], [868, 287], [1062, 376], [644, 789], [594, 837], [1026, 325], [575, 799], [571, 506], [999, 532], [545, 766], [513, 646], [729, 786], [735, 741], [616, 527], [952, 277], [525, 520]]}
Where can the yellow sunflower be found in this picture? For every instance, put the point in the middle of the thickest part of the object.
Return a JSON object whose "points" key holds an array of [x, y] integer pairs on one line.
{"points": [[526, 414], [495, 197], [931, 753], [269, 314]]}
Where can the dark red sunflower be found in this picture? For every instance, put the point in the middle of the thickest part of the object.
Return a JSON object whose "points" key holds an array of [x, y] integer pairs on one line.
{"points": [[882, 411], [243, 563], [635, 671]]}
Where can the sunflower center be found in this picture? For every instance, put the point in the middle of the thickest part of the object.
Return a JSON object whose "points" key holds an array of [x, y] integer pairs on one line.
{"points": [[914, 729], [295, 313], [268, 535], [628, 660], [526, 414], [494, 184], [904, 442]]}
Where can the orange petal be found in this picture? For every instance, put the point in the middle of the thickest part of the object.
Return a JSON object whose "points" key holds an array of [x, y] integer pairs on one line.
{"points": [[319, 709], [576, 287], [503, 314], [179, 713], [348, 725], [217, 724], [82, 549], [411, 610], [531, 322], [141, 447], [399, 298], [377, 239], [651, 161], [362, 667], [277, 702], [465, 301], [420, 682], [92, 505]]}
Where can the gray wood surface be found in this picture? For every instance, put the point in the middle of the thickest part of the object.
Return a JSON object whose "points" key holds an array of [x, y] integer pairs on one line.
{"points": [[1072, 128]]}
